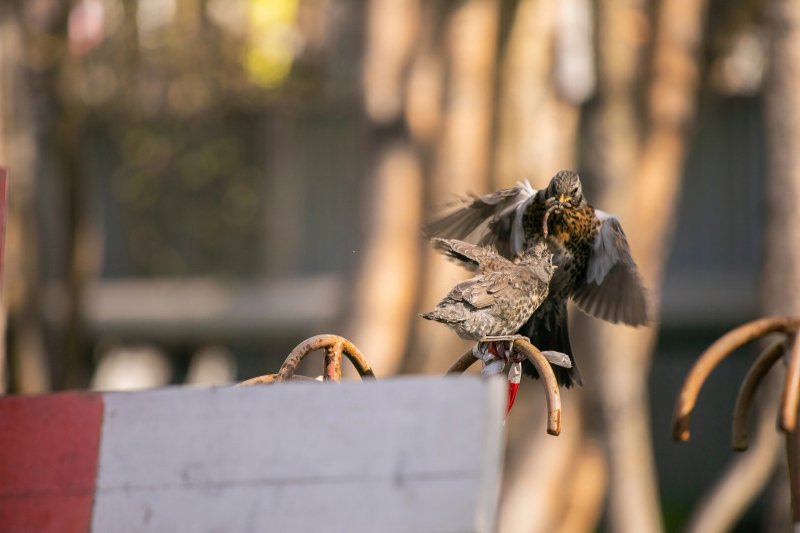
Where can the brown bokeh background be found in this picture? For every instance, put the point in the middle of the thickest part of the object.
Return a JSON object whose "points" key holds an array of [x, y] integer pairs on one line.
{"points": [[198, 185]]}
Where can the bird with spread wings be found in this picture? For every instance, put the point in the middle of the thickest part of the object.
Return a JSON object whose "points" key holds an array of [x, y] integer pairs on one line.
{"points": [[590, 250]]}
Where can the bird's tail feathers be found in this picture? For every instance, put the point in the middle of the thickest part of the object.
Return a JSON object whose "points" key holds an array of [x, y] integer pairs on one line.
{"points": [[548, 331]]}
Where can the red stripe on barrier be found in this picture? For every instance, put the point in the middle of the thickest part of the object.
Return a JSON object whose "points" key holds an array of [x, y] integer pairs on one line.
{"points": [[49, 448]]}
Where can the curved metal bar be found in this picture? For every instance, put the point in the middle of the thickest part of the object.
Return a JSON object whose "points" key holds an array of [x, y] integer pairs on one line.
{"points": [[357, 358], [747, 390], [791, 391], [266, 379], [549, 382], [323, 341], [462, 363], [712, 357], [333, 363]]}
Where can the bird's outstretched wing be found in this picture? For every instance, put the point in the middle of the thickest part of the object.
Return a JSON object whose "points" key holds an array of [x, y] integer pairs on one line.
{"points": [[498, 214], [471, 256], [612, 289]]}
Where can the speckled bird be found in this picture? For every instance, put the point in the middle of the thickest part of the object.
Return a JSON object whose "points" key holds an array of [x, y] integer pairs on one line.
{"points": [[502, 295], [590, 251]]}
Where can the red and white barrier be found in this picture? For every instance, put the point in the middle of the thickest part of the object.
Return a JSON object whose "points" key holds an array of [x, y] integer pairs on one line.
{"points": [[396, 455]]}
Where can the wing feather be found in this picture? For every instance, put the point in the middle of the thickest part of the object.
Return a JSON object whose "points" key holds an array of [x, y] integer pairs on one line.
{"points": [[499, 212], [613, 289]]}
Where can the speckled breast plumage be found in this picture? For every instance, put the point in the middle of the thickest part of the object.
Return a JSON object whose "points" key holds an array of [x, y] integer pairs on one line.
{"points": [[570, 235]]}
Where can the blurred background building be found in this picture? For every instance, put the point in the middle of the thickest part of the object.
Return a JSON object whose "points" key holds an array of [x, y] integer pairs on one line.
{"points": [[198, 185]]}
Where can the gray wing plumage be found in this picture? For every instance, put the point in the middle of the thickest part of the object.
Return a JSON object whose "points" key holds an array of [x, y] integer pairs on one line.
{"points": [[471, 256], [500, 297], [612, 289], [489, 289], [500, 214]]}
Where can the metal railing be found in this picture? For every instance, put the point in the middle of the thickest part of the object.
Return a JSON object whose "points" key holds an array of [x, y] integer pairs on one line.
{"points": [[790, 400], [335, 347]]}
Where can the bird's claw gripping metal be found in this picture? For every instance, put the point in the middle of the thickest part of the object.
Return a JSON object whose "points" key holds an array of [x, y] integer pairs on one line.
{"points": [[493, 363], [495, 356]]}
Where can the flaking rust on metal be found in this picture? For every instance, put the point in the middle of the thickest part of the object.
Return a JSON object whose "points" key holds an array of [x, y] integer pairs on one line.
{"points": [[333, 362], [334, 346]]}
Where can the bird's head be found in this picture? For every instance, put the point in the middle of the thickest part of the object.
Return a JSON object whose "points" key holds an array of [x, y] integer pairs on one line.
{"points": [[565, 190]]}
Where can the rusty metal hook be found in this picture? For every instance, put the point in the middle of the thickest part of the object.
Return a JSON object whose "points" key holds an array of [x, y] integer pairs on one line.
{"points": [[712, 357], [790, 401], [747, 391], [791, 390], [548, 379], [334, 346]]}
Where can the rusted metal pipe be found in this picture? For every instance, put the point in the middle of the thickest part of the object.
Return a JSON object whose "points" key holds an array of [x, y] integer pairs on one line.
{"points": [[462, 363], [791, 390], [715, 353], [333, 363], [549, 382], [357, 358], [548, 379], [272, 378], [324, 341], [747, 391], [334, 346]]}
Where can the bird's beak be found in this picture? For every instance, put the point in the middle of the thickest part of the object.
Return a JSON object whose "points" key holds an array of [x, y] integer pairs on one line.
{"points": [[563, 199]]}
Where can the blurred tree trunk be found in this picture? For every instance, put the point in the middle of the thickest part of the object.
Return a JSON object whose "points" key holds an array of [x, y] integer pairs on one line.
{"points": [[641, 182], [81, 256], [537, 126], [50, 231], [781, 289], [747, 473], [536, 137], [6, 33], [384, 290], [781, 274], [20, 113], [457, 146], [417, 56]]}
